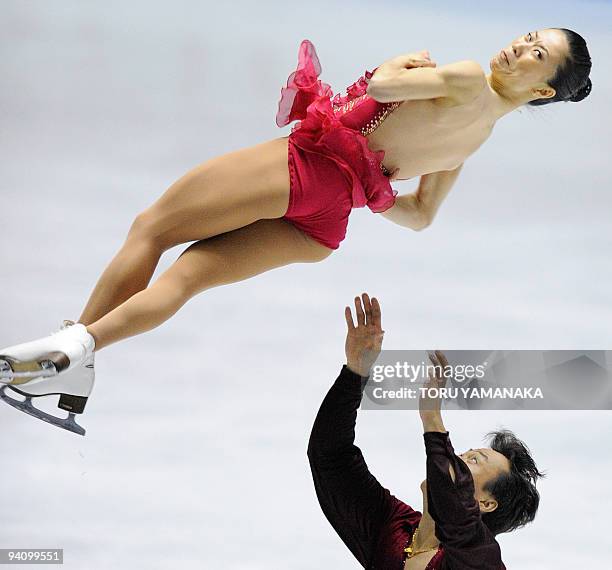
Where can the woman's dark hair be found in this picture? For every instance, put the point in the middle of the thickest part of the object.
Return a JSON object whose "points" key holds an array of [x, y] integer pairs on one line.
{"points": [[515, 491], [571, 80]]}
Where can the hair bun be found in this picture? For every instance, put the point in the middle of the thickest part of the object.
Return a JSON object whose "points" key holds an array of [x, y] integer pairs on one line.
{"points": [[583, 92]]}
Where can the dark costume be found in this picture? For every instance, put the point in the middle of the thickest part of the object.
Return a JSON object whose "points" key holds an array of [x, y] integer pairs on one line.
{"points": [[375, 525]]}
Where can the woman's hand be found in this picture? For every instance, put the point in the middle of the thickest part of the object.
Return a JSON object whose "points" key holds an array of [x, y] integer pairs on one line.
{"points": [[416, 59], [363, 342], [394, 174], [430, 404], [406, 61]]}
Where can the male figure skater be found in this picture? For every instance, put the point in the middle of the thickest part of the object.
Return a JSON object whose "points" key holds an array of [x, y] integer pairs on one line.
{"points": [[467, 499]]}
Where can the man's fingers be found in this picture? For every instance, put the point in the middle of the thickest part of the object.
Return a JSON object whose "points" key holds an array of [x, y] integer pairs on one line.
{"points": [[359, 311], [376, 316], [442, 358], [349, 318], [367, 307], [438, 367], [433, 358]]}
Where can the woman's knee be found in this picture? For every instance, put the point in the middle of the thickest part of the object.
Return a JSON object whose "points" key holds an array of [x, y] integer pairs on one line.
{"points": [[147, 228]]}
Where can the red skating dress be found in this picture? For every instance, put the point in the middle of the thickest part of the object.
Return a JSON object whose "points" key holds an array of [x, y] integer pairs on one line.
{"points": [[332, 170]]}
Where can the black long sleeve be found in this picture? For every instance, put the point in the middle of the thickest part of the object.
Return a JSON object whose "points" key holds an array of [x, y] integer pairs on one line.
{"points": [[333, 431], [373, 523], [352, 499], [467, 542]]}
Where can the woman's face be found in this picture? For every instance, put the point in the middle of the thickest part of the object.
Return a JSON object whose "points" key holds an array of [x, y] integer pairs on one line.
{"points": [[525, 66]]}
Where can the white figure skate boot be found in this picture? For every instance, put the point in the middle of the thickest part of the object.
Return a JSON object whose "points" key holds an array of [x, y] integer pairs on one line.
{"points": [[73, 382], [48, 356]]}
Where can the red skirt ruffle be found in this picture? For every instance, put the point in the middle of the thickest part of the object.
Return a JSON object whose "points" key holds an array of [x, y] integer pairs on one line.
{"points": [[307, 99]]}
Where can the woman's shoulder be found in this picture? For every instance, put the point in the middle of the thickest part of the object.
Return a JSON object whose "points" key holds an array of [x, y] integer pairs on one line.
{"points": [[463, 71], [465, 78]]}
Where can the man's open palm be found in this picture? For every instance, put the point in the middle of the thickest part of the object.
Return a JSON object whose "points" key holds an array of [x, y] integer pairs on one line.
{"points": [[364, 340]]}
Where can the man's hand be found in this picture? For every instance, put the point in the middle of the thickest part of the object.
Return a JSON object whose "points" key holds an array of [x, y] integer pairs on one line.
{"points": [[363, 342], [430, 405]]}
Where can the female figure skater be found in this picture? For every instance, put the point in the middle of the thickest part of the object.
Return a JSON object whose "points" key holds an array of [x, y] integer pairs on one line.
{"points": [[288, 200], [468, 499]]}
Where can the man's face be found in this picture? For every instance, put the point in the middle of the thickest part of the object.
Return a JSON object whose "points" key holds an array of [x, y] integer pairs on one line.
{"points": [[486, 465]]}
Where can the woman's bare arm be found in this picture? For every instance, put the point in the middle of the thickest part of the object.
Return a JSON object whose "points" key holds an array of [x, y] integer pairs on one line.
{"points": [[417, 210], [393, 81]]}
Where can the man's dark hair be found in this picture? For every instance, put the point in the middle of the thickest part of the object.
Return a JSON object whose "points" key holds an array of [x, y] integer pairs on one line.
{"points": [[515, 491], [571, 80]]}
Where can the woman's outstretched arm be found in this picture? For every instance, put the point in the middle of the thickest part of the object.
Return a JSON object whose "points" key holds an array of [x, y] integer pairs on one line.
{"points": [[418, 209], [399, 80]]}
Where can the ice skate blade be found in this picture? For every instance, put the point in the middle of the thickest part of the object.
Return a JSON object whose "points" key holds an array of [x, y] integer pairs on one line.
{"points": [[26, 406], [13, 369]]}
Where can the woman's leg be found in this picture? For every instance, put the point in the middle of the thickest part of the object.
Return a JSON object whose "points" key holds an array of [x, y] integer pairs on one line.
{"points": [[220, 195], [219, 260], [129, 272]]}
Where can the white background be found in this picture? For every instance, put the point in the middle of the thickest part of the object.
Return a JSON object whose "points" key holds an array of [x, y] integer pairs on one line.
{"points": [[195, 455]]}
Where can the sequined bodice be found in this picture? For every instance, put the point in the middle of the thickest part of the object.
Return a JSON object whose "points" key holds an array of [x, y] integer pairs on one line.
{"points": [[365, 114]]}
